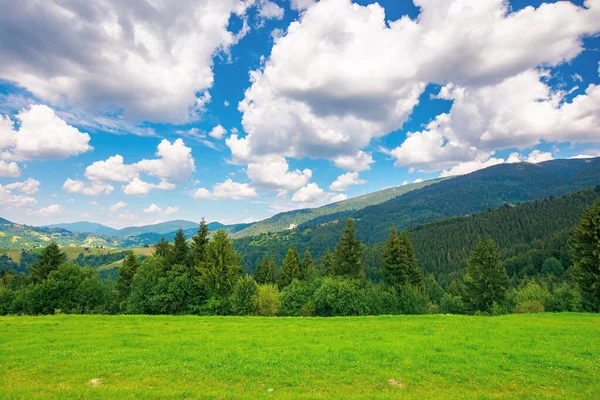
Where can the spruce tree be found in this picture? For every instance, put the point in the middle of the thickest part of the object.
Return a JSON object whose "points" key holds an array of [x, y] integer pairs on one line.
{"points": [[486, 278], [290, 269], [181, 251], [327, 269], [347, 254], [266, 271], [222, 268], [199, 242], [586, 256], [308, 271], [49, 259], [400, 264], [414, 276], [163, 248], [126, 272]]}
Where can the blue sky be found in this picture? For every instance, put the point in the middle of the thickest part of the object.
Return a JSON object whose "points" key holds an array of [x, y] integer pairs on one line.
{"points": [[236, 110]]}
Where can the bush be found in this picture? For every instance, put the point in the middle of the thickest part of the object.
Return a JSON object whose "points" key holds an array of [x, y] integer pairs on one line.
{"points": [[412, 300], [529, 306], [564, 298], [452, 304], [530, 299], [242, 299], [296, 296], [552, 266], [383, 300], [341, 297], [266, 300]]}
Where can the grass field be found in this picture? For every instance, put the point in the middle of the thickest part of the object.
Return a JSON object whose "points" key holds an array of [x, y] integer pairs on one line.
{"points": [[412, 357], [73, 252]]}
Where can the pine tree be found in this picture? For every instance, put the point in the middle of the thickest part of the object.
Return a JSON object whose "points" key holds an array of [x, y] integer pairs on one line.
{"points": [[181, 251], [127, 271], [307, 267], [222, 269], [347, 254], [163, 248], [486, 278], [290, 269], [327, 263], [199, 242], [586, 256], [414, 276], [49, 259], [266, 271], [400, 264]]}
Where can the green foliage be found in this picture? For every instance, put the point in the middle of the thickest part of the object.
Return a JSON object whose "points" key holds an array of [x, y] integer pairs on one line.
{"points": [[528, 299], [328, 263], [180, 253], [308, 271], [486, 279], [342, 297], [163, 249], [48, 260], [297, 298], [199, 243], [552, 266], [450, 304], [125, 277], [400, 266], [266, 272], [72, 290], [290, 269], [412, 300], [586, 256], [242, 299], [564, 298], [222, 269], [346, 257], [266, 301]]}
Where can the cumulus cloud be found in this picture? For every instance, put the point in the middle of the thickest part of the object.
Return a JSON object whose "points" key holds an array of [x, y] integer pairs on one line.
{"points": [[313, 195], [117, 206], [270, 10], [217, 132], [301, 5], [41, 135], [470, 166], [50, 211], [10, 201], [343, 181], [112, 169], [93, 188], [150, 59], [137, 187], [360, 162], [273, 173], [153, 209], [30, 186], [537, 156], [366, 75], [9, 169], [227, 190]]}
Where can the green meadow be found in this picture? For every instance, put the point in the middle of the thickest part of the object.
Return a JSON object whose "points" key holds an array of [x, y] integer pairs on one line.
{"points": [[532, 356]]}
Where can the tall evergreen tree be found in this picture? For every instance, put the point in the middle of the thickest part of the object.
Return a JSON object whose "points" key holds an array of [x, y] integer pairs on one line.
{"points": [[163, 248], [308, 271], [586, 255], [400, 264], [222, 269], [181, 251], [486, 278], [200, 242], [328, 263], [290, 269], [125, 276], [347, 254], [266, 271], [49, 259]]}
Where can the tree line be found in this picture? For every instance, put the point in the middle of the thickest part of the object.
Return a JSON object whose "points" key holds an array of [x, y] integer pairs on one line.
{"points": [[204, 276]]}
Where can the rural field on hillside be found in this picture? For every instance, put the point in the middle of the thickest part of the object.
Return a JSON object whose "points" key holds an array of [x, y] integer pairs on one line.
{"points": [[413, 357]]}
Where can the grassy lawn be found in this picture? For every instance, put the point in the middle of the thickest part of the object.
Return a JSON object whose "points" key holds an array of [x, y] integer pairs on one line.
{"points": [[412, 357]]}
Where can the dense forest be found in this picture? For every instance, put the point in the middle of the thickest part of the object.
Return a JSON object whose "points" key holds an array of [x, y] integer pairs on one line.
{"points": [[522, 258]]}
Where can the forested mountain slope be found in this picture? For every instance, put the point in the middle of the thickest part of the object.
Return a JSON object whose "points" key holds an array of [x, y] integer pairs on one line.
{"points": [[286, 220], [464, 195], [84, 227]]}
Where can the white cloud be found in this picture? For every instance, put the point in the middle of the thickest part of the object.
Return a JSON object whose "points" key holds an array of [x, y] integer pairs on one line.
{"points": [[171, 210], [338, 197], [149, 59], [112, 169], [217, 132], [30, 186], [50, 211], [127, 216], [309, 194], [154, 209], [270, 10], [301, 4], [584, 156], [366, 75], [226, 103], [93, 188], [9, 169], [418, 180], [174, 163], [117, 206], [10, 201], [137, 187], [273, 173], [360, 162], [537, 156], [227, 190], [470, 166], [343, 181], [41, 135]]}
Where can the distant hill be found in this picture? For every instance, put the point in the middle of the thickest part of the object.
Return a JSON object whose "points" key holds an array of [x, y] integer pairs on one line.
{"points": [[290, 219], [162, 228], [84, 226], [463, 195]]}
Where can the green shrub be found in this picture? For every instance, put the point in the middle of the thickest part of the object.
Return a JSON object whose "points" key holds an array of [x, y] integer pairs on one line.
{"points": [[242, 299], [266, 300], [564, 298], [383, 300], [529, 306], [530, 299], [341, 297], [452, 304], [296, 296], [412, 300]]}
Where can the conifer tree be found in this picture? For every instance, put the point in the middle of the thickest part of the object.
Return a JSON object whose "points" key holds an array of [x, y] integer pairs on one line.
{"points": [[266, 271], [125, 276], [347, 254], [49, 259], [327, 263], [199, 242], [486, 278], [586, 257], [163, 248], [222, 269], [414, 274], [400, 264], [290, 269], [181, 251], [308, 271]]}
